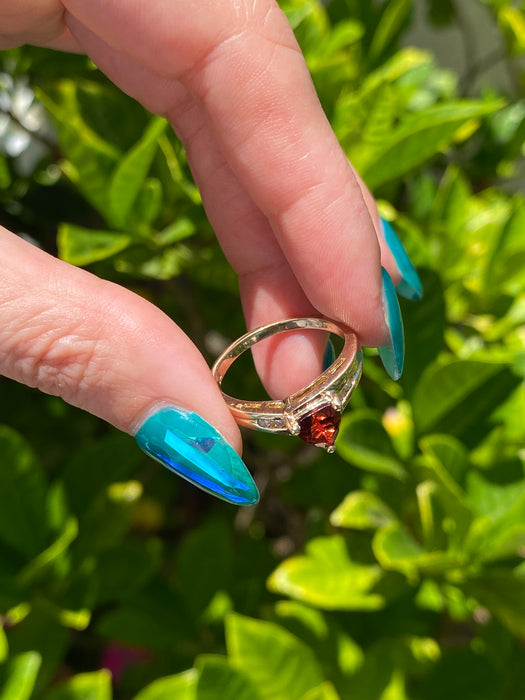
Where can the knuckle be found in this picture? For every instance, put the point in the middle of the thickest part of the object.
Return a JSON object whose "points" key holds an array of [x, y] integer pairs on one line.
{"points": [[59, 362]]}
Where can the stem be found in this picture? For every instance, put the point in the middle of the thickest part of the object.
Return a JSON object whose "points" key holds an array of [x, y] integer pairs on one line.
{"points": [[479, 66]]}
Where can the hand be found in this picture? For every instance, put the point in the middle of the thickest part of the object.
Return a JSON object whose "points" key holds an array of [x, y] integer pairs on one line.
{"points": [[294, 219]]}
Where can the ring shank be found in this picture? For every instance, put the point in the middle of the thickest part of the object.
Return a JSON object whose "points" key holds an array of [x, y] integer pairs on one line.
{"points": [[340, 379]]}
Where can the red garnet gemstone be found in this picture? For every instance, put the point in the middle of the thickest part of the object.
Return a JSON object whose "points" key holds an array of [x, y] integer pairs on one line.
{"points": [[320, 426]]}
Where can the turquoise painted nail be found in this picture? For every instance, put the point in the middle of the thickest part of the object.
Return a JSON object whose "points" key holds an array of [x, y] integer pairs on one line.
{"points": [[329, 355], [185, 443], [392, 355], [410, 286]]}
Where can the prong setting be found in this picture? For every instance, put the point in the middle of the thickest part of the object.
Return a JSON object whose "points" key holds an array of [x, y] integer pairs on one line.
{"points": [[314, 412], [291, 423], [334, 399]]}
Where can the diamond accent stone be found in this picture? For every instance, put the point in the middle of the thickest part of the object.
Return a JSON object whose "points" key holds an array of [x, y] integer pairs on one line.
{"points": [[320, 426], [269, 423]]}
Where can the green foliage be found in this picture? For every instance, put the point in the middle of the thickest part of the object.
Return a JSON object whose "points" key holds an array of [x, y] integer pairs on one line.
{"points": [[392, 570]]}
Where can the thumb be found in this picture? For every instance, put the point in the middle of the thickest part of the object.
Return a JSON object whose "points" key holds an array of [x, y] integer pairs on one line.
{"points": [[112, 353]]}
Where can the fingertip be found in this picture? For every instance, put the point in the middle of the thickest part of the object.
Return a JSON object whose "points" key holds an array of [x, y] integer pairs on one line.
{"points": [[192, 448]]}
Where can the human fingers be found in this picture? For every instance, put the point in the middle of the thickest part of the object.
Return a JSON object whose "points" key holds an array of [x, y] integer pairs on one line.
{"points": [[394, 257], [112, 353], [324, 278], [38, 22], [269, 289], [242, 66]]}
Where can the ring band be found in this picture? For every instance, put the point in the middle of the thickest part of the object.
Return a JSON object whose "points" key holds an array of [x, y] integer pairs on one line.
{"points": [[312, 413]]}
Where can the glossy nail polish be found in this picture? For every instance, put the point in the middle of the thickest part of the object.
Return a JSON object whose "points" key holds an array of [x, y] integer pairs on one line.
{"points": [[393, 354], [185, 443], [410, 285]]}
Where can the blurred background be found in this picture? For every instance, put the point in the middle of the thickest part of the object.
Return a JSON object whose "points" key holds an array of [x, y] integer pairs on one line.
{"points": [[391, 570]]}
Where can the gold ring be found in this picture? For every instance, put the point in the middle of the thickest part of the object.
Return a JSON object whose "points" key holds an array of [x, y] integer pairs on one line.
{"points": [[314, 412]]}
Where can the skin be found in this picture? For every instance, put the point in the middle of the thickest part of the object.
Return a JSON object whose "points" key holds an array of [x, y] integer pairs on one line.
{"points": [[292, 216]]}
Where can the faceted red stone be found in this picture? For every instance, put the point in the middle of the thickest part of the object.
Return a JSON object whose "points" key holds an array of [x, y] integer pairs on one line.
{"points": [[320, 426]]}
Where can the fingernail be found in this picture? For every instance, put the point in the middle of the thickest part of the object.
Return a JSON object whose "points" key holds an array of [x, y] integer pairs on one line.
{"points": [[393, 354], [185, 443], [329, 355], [410, 286]]}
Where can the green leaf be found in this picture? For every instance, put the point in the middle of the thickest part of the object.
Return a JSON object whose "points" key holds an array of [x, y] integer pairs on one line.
{"points": [[325, 691], [147, 205], [113, 458], [388, 654], [487, 498], [309, 21], [4, 646], [204, 564], [131, 172], [459, 397], [343, 35], [447, 458], [395, 690], [51, 554], [126, 569], [279, 665], [90, 158], [511, 321], [218, 679], [84, 686], [335, 650], [395, 549], [418, 138], [42, 631], [155, 618], [426, 498], [5, 175], [167, 264], [447, 461], [424, 324], [13, 596], [380, 89], [499, 530], [394, 15], [381, 116], [503, 593], [512, 22], [449, 217], [82, 246], [364, 442], [177, 231], [23, 523], [362, 510], [19, 676], [175, 160], [109, 518], [504, 270], [179, 687], [327, 577]]}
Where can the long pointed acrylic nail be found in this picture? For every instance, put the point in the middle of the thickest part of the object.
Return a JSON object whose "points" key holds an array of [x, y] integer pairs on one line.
{"points": [[393, 354], [189, 446], [410, 285]]}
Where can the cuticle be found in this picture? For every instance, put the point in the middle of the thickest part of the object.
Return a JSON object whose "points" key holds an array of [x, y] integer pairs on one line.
{"points": [[154, 408]]}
